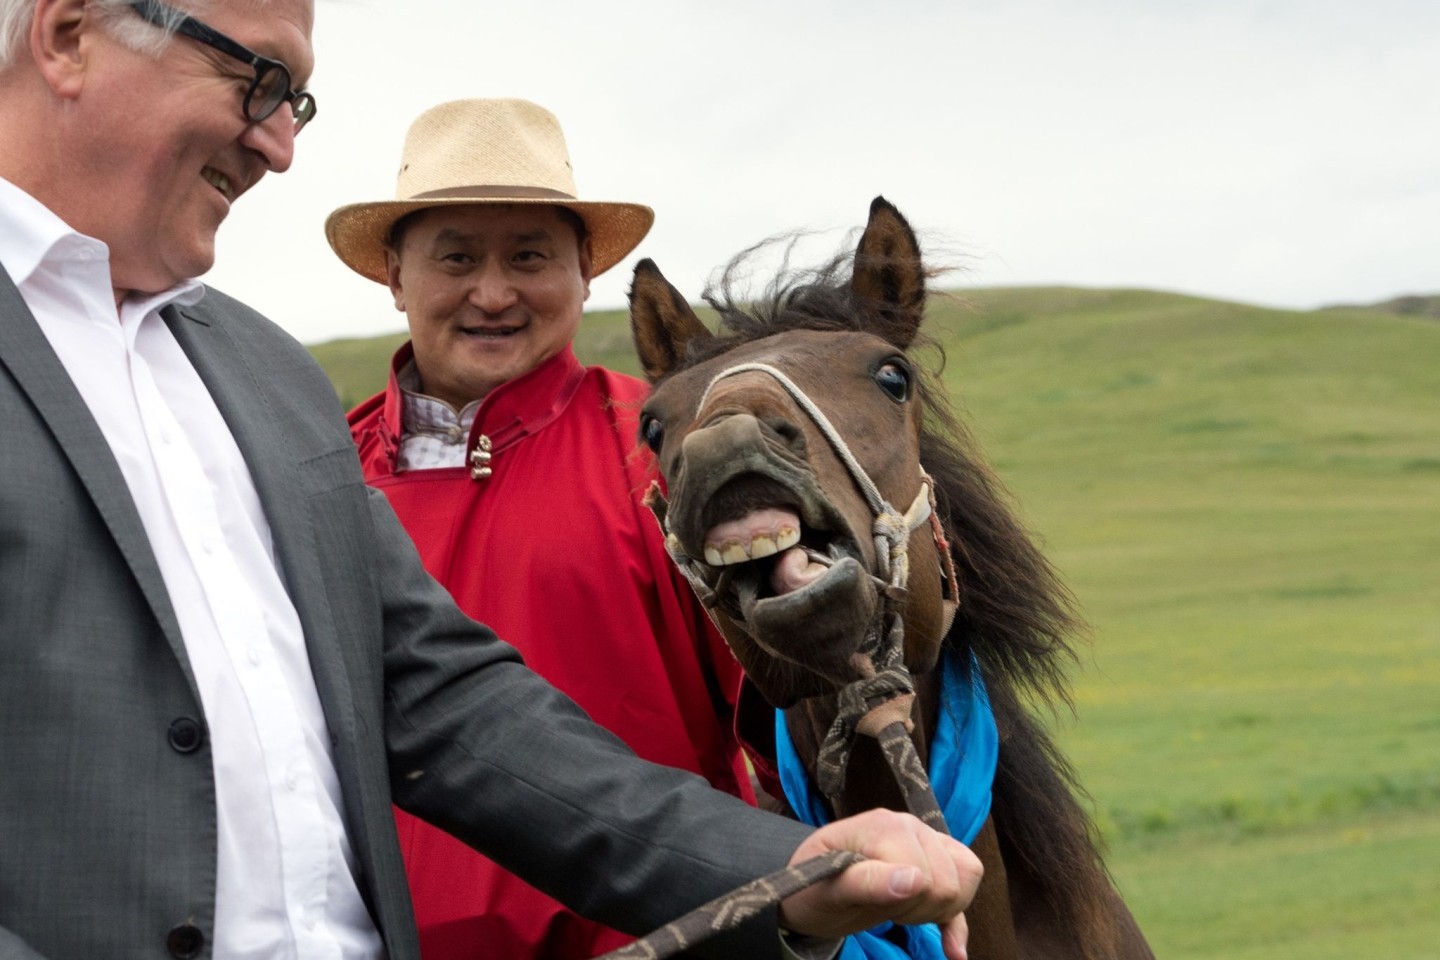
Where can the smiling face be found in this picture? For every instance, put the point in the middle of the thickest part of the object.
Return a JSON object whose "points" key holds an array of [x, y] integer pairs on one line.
{"points": [[491, 292], [161, 144]]}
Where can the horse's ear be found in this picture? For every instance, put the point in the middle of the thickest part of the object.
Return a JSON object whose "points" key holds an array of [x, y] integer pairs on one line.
{"points": [[661, 321], [888, 271]]}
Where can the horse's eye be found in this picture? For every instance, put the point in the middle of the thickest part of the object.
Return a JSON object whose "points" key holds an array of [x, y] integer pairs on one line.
{"points": [[652, 431], [894, 380]]}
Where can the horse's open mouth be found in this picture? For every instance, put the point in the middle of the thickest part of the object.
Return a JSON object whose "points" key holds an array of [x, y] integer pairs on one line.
{"points": [[781, 560]]}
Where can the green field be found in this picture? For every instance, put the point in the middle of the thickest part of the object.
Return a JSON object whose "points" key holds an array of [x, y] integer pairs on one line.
{"points": [[1247, 504]]}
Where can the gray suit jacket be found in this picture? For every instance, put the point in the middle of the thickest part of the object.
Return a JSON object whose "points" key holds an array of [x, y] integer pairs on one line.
{"points": [[107, 813]]}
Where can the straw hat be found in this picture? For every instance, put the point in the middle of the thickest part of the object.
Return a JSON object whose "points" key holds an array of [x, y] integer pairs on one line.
{"points": [[483, 151]]}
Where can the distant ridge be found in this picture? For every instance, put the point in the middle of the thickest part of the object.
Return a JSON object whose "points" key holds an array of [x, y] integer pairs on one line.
{"points": [[1410, 305], [358, 366]]}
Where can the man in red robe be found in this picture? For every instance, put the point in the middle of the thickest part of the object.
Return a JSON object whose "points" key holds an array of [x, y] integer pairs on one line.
{"points": [[516, 471]]}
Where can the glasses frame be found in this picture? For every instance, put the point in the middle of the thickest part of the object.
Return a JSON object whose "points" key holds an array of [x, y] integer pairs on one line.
{"points": [[302, 104]]}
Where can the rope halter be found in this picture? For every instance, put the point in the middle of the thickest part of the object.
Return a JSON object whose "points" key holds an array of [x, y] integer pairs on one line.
{"points": [[885, 692]]}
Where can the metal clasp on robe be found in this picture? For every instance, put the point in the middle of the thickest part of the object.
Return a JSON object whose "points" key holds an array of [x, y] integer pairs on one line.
{"points": [[480, 459]]}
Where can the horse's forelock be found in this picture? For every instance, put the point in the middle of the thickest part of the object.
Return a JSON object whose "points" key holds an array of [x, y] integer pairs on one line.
{"points": [[813, 298]]}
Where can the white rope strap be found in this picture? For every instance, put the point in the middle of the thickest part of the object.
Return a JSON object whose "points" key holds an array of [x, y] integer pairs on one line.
{"points": [[842, 449], [892, 529]]}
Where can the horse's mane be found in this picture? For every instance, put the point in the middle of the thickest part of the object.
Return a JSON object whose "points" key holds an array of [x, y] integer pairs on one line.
{"points": [[1015, 613]]}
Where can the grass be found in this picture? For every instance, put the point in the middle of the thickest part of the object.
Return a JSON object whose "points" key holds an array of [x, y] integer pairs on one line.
{"points": [[1246, 504], [1362, 887]]}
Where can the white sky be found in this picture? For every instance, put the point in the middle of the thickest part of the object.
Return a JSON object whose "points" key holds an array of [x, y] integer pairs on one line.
{"points": [[1282, 153]]}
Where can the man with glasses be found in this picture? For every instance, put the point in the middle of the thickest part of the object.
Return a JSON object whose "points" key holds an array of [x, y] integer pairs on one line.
{"points": [[208, 695], [269, 87]]}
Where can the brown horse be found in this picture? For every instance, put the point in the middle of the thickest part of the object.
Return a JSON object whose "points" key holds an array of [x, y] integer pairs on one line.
{"points": [[781, 441]]}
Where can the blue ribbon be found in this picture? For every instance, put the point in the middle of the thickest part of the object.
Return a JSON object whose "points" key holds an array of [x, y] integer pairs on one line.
{"points": [[962, 771]]}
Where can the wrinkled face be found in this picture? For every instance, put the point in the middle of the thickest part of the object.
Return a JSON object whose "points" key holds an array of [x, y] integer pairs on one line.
{"points": [[169, 148], [491, 292]]}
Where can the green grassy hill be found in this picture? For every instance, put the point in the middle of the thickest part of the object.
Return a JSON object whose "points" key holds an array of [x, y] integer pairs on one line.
{"points": [[1246, 503]]}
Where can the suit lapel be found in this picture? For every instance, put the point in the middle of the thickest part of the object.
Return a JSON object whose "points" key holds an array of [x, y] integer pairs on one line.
{"points": [[27, 355], [230, 376]]}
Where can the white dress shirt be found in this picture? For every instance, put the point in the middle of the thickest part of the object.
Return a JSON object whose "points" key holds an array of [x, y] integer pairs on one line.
{"points": [[285, 885]]}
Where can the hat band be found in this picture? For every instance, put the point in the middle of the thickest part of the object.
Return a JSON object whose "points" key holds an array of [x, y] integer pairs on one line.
{"points": [[498, 193]]}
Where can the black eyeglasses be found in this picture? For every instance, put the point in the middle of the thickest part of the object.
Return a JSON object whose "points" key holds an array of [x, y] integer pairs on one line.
{"points": [[271, 86]]}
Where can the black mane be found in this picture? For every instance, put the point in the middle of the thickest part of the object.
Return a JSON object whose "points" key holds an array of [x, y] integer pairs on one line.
{"points": [[818, 298]]}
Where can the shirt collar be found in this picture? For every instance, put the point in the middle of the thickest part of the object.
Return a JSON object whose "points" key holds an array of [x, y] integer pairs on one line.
{"points": [[513, 410], [422, 413], [31, 235]]}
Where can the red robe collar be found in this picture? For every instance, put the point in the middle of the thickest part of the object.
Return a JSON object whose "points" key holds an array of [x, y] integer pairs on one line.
{"points": [[511, 412]]}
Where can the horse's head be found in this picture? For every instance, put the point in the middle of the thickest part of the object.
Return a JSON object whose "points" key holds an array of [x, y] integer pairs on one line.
{"points": [[780, 447]]}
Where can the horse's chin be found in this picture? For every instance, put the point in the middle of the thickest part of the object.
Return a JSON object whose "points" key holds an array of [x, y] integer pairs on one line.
{"points": [[819, 621], [783, 565]]}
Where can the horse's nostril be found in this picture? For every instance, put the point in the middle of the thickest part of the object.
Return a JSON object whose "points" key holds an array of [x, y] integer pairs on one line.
{"points": [[792, 435]]}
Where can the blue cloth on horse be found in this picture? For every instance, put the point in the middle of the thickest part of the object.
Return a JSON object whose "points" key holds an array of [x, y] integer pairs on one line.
{"points": [[962, 770]]}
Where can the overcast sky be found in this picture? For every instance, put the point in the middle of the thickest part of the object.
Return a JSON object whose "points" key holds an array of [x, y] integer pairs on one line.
{"points": [[1280, 153]]}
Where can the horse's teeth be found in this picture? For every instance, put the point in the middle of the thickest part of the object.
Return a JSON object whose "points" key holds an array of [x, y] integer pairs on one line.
{"points": [[763, 547], [723, 553]]}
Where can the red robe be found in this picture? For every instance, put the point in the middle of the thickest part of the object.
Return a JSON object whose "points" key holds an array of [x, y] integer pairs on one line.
{"points": [[556, 553]]}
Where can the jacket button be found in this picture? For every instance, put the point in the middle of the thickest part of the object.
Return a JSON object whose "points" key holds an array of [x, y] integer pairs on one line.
{"points": [[185, 736], [185, 942]]}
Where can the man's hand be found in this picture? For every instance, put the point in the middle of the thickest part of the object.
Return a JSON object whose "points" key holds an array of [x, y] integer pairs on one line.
{"points": [[913, 874]]}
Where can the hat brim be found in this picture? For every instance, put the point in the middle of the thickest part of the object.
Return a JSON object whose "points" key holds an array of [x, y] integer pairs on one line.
{"points": [[359, 232]]}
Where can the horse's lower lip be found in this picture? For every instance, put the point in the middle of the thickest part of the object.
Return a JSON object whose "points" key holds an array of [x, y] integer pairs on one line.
{"points": [[829, 616], [760, 586], [785, 574]]}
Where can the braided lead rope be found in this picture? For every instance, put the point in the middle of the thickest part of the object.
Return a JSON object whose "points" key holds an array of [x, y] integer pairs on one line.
{"points": [[884, 694], [904, 762], [734, 908]]}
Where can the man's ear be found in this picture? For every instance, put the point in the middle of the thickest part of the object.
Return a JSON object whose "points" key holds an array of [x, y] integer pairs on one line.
{"points": [[392, 277], [587, 261], [60, 37]]}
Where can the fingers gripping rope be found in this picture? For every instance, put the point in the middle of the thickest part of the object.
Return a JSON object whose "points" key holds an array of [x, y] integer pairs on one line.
{"points": [[734, 908]]}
